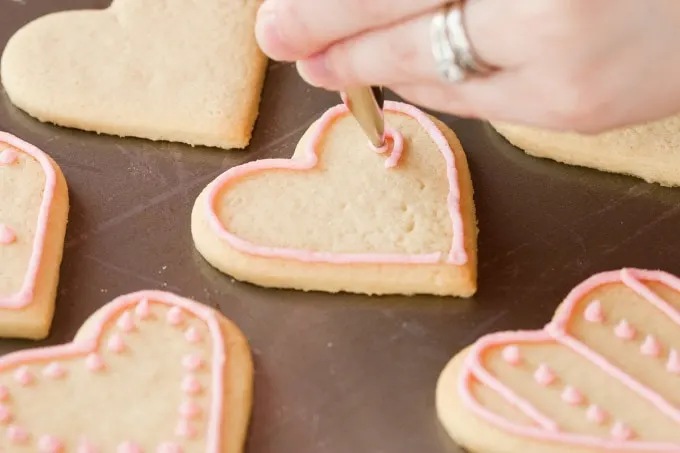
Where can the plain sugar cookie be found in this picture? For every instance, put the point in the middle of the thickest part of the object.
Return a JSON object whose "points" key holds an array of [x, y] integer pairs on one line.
{"points": [[341, 216], [650, 152], [176, 70], [149, 372], [603, 376], [33, 215]]}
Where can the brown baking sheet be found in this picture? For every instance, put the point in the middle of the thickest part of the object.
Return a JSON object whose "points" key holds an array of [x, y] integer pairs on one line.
{"points": [[337, 373]]}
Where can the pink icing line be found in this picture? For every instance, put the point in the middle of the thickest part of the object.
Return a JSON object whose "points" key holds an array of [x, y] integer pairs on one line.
{"points": [[85, 346], [397, 147], [673, 364], [24, 296], [556, 330], [456, 255]]}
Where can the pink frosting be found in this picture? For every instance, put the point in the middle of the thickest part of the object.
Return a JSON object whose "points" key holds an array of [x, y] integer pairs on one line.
{"points": [[24, 376], [7, 235], [126, 323], [94, 362], [191, 385], [86, 447], [397, 146], [142, 309], [5, 414], [192, 362], [169, 447], [50, 444], [193, 335], [8, 156], [651, 347], [544, 376], [185, 429], [23, 297], [512, 355], [84, 346], [673, 364], [596, 415], [572, 396], [190, 410], [624, 330], [594, 312], [175, 316], [4, 393], [54, 370], [456, 254], [556, 332], [128, 447], [116, 343]]}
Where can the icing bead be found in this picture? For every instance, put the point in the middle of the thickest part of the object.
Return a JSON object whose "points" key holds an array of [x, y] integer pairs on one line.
{"points": [[7, 235], [673, 364], [191, 385], [512, 355], [624, 331], [621, 432], [143, 309], [49, 444], [193, 335], [8, 157], [192, 362], [169, 447], [54, 370], [126, 323], [94, 362], [189, 410], [128, 447], [4, 393], [596, 415], [593, 312], [116, 343], [572, 396], [544, 376], [175, 316], [24, 376], [86, 447], [17, 434], [185, 429], [5, 414], [651, 347]]}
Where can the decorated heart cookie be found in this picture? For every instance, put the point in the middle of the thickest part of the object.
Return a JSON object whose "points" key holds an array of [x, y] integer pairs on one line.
{"points": [[149, 372], [341, 216], [33, 215], [650, 152], [175, 70], [603, 376]]}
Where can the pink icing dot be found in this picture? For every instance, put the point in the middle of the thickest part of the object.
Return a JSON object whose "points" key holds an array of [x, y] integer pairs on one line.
{"points": [[189, 410], [191, 385], [24, 376], [185, 429], [7, 235], [624, 331], [86, 447], [651, 347], [544, 375], [175, 316], [5, 414], [50, 444], [4, 393], [621, 432], [143, 309], [17, 434], [94, 362], [54, 370], [596, 415], [572, 396], [8, 157], [594, 312], [126, 323], [129, 447], [673, 364], [116, 343], [169, 447], [192, 362], [192, 335], [512, 355]]}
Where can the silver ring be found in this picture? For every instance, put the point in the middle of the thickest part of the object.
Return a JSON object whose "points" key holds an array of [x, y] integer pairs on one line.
{"points": [[455, 58]]}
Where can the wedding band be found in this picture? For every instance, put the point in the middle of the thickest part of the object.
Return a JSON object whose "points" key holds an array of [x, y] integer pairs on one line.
{"points": [[455, 58]]}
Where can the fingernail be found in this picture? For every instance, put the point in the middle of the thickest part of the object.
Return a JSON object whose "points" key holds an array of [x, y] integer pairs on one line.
{"points": [[267, 31], [315, 71]]}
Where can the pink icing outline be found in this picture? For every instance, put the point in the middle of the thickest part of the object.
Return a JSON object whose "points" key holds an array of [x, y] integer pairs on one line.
{"points": [[24, 296], [556, 331], [456, 255], [81, 348]]}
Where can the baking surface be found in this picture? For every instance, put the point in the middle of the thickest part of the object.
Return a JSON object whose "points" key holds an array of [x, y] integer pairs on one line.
{"points": [[336, 373]]}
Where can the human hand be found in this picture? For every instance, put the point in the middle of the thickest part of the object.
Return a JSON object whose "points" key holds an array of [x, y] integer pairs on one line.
{"points": [[581, 65]]}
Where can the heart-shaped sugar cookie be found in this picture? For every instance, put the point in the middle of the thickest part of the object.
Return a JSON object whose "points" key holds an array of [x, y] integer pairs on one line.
{"points": [[339, 216], [650, 152], [33, 215], [176, 70], [149, 372], [603, 376]]}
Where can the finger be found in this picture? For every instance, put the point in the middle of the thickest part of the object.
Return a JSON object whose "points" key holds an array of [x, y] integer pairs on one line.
{"points": [[296, 29]]}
